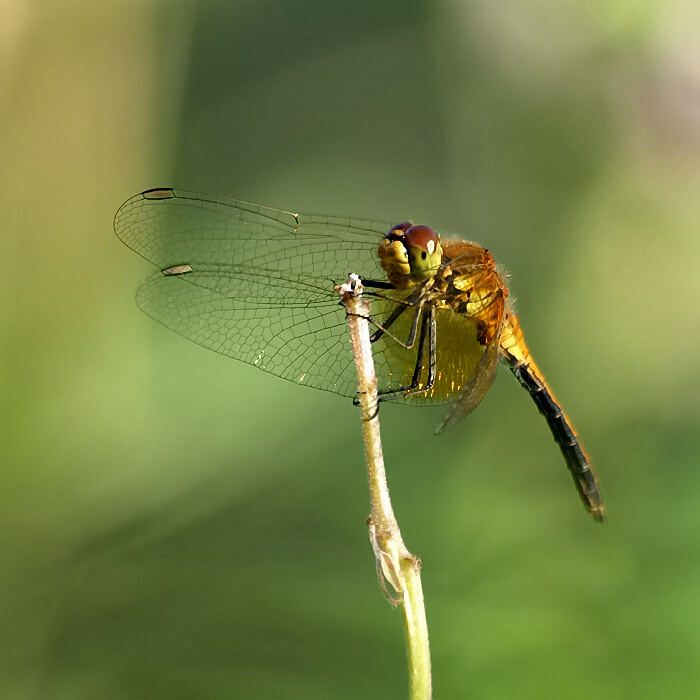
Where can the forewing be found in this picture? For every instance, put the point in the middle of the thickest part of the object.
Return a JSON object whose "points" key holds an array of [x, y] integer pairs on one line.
{"points": [[169, 227]]}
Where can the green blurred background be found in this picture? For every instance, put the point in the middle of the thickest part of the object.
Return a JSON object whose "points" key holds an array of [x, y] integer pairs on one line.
{"points": [[177, 525]]}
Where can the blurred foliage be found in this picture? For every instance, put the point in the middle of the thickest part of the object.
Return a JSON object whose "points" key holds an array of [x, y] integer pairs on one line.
{"points": [[176, 525]]}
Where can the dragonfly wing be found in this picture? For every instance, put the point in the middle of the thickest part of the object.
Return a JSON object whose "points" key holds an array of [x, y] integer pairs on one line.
{"points": [[240, 316], [251, 282], [290, 326], [477, 385], [169, 228]]}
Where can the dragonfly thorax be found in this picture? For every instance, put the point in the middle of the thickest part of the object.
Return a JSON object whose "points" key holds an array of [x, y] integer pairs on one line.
{"points": [[410, 254]]}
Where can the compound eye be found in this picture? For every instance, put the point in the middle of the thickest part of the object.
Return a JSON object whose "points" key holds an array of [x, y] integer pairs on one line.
{"points": [[424, 238]]}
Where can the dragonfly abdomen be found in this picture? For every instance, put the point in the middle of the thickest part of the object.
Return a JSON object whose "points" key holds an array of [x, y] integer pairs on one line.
{"points": [[517, 354]]}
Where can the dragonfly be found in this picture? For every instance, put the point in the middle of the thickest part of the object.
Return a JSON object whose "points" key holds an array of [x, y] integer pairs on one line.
{"points": [[258, 284]]}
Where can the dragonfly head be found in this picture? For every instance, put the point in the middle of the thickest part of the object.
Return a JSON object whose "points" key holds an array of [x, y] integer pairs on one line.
{"points": [[424, 251], [409, 254]]}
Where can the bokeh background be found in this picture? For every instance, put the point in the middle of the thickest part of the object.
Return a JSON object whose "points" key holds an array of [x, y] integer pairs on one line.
{"points": [[174, 524]]}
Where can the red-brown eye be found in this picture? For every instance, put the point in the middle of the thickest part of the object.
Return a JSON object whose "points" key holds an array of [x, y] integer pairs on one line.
{"points": [[422, 237]]}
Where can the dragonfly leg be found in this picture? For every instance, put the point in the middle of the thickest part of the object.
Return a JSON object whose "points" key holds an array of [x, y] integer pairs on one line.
{"points": [[427, 332], [414, 330], [432, 357], [376, 284], [413, 301], [381, 330], [421, 347], [402, 305], [384, 329], [432, 348]]}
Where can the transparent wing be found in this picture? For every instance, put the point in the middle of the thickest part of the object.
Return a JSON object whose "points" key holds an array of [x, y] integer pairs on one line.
{"points": [[290, 326], [170, 228], [257, 284], [240, 314]]}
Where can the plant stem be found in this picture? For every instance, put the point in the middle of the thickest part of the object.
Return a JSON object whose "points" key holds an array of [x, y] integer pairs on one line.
{"points": [[395, 564]]}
